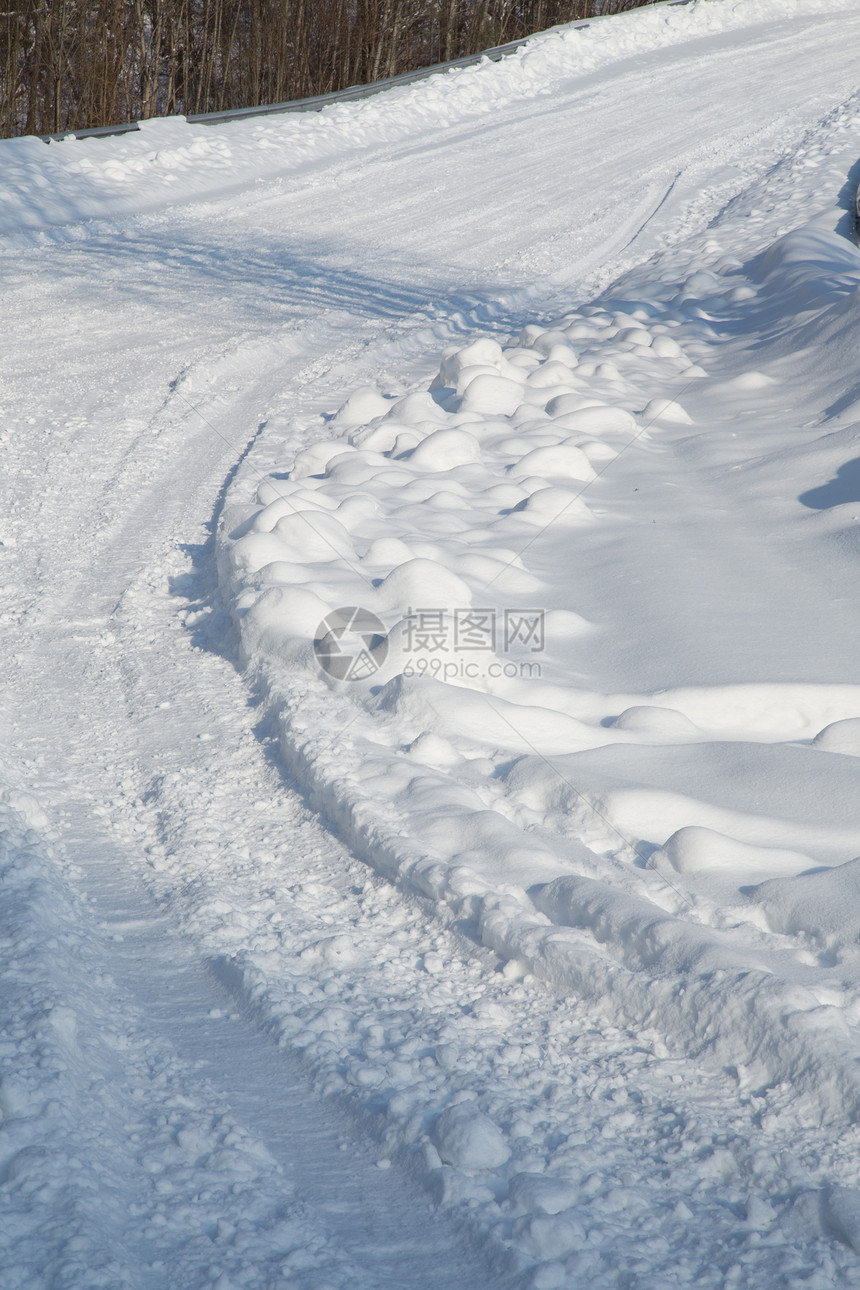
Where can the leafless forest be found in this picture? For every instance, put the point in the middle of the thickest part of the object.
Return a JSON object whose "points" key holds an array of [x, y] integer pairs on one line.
{"points": [[71, 64]]}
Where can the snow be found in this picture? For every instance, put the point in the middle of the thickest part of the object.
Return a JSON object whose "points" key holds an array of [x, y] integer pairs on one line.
{"points": [[96, 1173], [740, 797], [463, 1136], [428, 746], [169, 160]]}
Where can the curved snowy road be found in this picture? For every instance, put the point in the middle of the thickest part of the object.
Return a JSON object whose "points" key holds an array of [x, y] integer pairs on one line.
{"points": [[227, 1032]]}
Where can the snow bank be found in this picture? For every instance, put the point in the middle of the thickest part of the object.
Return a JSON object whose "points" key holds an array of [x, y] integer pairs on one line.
{"points": [[73, 180], [612, 841]]}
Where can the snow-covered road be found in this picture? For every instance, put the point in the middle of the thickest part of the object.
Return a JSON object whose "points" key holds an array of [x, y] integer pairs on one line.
{"points": [[432, 981]]}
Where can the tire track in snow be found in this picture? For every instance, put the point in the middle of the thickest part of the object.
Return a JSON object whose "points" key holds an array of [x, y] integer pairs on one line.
{"points": [[99, 508], [208, 838], [204, 1086]]}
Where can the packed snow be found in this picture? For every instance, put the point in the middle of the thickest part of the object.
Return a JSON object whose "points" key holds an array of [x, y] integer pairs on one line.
{"points": [[429, 833]]}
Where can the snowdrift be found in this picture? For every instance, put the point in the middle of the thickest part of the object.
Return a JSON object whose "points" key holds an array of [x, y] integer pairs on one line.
{"points": [[684, 857]]}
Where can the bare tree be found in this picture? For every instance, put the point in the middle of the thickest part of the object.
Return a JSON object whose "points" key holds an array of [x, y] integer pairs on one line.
{"points": [[69, 64]]}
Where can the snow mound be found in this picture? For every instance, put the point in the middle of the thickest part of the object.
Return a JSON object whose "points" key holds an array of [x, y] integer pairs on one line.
{"points": [[655, 720], [541, 1193], [694, 850], [840, 737], [465, 1137], [823, 905], [617, 840]]}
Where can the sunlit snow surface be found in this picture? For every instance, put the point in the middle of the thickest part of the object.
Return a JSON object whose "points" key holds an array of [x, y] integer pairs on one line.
{"points": [[517, 944]]}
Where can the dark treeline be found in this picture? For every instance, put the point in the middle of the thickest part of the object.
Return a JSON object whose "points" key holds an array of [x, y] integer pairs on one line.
{"points": [[70, 64]]}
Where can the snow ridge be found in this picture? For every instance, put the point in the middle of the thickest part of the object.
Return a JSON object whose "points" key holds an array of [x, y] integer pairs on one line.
{"points": [[514, 800]]}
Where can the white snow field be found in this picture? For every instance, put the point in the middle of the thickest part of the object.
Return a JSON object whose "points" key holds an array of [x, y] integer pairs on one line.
{"points": [[504, 931]]}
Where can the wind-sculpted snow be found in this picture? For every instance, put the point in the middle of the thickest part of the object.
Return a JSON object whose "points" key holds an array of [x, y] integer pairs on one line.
{"points": [[620, 842]]}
